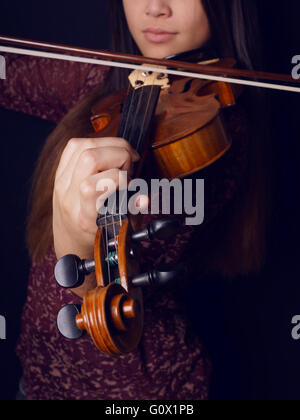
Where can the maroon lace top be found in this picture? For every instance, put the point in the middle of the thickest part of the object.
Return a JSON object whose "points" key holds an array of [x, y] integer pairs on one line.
{"points": [[170, 362]]}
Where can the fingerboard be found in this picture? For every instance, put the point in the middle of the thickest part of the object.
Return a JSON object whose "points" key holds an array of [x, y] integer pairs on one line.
{"points": [[138, 111]]}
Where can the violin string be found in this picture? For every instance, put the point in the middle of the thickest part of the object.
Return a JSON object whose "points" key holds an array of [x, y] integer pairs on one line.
{"points": [[144, 118], [114, 226], [107, 249], [136, 114], [123, 135], [113, 223], [140, 101], [127, 136], [105, 245], [105, 63]]}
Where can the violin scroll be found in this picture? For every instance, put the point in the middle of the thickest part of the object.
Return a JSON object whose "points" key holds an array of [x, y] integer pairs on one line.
{"points": [[112, 314], [112, 318]]}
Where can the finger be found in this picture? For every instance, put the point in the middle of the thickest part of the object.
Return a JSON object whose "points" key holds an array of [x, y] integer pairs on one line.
{"points": [[94, 161], [95, 190], [140, 205], [75, 147]]}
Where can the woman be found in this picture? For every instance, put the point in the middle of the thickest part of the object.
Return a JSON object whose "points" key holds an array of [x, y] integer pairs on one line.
{"points": [[170, 363]]}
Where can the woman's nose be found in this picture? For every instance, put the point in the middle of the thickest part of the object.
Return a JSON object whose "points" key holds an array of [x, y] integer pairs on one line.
{"points": [[157, 8]]}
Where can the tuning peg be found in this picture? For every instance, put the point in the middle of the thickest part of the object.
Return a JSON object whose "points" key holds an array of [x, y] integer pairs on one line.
{"points": [[159, 229], [160, 277], [66, 322], [70, 271]]}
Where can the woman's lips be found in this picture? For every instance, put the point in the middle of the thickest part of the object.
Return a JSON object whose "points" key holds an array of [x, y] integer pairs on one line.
{"points": [[158, 35]]}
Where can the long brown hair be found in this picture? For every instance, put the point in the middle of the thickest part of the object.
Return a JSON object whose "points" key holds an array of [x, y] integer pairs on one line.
{"points": [[241, 229]]}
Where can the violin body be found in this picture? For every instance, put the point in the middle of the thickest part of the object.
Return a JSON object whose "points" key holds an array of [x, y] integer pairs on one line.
{"points": [[188, 130]]}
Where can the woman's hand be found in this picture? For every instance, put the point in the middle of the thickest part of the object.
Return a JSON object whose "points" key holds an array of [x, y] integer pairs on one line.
{"points": [[78, 192]]}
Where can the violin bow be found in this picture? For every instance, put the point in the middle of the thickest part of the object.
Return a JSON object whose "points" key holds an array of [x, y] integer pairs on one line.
{"points": [[134, 62]]}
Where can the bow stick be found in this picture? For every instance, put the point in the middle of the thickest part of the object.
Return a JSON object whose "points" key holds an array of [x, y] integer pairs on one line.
{"points": [[133, 62]]}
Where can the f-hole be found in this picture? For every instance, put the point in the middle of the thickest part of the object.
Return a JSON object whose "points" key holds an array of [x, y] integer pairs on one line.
{"points": [[188, 85]]}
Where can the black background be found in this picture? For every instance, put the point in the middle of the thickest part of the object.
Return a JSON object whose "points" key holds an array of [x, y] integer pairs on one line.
{"points": [[248, 325]]}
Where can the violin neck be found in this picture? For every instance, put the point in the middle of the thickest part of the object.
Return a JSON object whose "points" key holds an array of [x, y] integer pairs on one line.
{"points": [[135, 126], [138, 111]]}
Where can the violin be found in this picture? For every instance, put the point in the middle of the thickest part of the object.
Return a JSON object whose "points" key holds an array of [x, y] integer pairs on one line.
{"points": [[177, 125], [184, 118]]}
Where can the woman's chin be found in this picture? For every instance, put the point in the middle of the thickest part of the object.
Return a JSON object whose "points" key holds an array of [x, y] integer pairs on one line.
{"points": [[159, 51]]}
